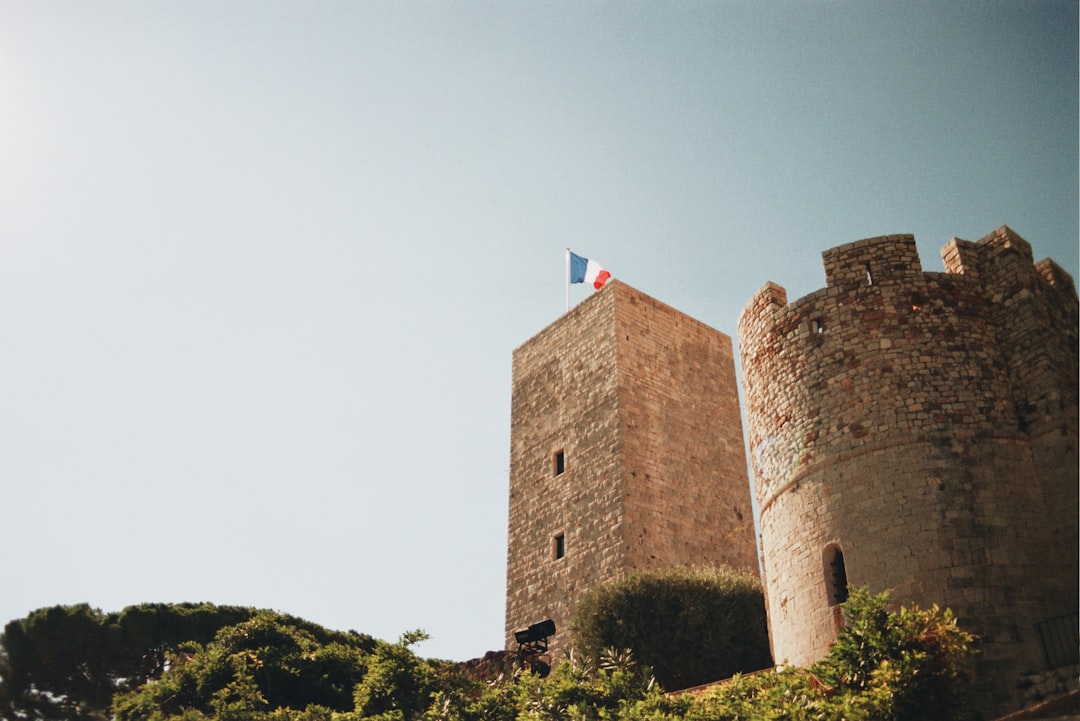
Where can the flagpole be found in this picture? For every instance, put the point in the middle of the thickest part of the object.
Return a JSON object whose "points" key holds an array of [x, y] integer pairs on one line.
{"points": [[568, 279]]}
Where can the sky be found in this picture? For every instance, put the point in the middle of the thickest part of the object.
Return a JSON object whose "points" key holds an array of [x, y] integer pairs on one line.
{"points": [[263, 264]]}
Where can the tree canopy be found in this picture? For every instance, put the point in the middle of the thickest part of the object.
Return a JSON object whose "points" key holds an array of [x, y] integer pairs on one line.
{"points": [[67, 662], [265, 663]]}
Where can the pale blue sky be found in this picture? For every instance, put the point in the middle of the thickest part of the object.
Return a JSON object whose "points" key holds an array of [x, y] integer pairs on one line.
{"points": [[263, 264]]}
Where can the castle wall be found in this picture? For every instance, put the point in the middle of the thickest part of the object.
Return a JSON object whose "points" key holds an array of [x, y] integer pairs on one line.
{"points": [[643, 401], [687, 496], [1038, 326], [565, 397], [925, 425]]}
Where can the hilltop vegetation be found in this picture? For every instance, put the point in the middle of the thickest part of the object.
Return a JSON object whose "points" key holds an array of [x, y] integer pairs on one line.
{"points": [[242, 665]]}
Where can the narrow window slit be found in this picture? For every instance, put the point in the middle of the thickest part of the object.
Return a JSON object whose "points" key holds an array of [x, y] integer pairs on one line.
{"points": [[836, 583]]}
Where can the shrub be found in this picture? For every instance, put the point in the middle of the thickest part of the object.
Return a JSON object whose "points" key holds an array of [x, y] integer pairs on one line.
{"points": [[885, 666], [918, 656], [691, 626]]}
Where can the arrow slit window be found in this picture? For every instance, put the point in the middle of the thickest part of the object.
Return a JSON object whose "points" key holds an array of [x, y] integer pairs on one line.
{"points": [[558, 462]]}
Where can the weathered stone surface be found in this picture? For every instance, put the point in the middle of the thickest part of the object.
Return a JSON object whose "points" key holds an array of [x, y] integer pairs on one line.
{"points": [[926, 425], [642, 402], [923, 425]]}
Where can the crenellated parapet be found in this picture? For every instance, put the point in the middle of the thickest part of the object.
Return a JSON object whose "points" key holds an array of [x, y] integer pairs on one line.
{"points": [[887, 259], [886, 349], [921, 427], [858, 361]]}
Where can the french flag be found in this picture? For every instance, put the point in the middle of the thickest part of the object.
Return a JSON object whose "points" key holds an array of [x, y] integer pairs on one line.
{"points": [[583, 270]]}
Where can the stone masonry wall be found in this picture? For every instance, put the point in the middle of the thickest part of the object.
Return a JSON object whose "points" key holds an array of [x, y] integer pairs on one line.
{"points": [[687, 493], [925, 425], [1036, 317], [565, 395], [643, 402]]}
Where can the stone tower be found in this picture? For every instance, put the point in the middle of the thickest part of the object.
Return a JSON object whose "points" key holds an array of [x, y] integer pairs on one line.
{"points": [[626, 454], [917, 432]]}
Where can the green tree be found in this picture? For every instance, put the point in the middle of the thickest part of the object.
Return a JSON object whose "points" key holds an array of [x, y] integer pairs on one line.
{"points": [[398, 685], [66, 662], [691, 626], [269, 662]]}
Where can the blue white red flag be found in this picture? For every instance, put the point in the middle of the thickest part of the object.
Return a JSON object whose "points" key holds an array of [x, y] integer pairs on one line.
{"points": [[583, 270]]}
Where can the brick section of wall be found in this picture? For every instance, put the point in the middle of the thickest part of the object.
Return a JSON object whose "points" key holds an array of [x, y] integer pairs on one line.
{"points": [[925, 423], [643, 401]]}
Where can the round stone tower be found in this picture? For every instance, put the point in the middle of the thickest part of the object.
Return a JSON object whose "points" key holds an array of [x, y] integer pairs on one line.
{"points": [[917, 432]]}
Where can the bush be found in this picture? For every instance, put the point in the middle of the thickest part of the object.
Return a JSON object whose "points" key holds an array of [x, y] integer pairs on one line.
{"points": [[268, 663], [885, 666], [691, 626], [918, 656]]}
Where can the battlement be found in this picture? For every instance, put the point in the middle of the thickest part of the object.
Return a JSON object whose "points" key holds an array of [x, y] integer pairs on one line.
{"points": [[999, 263], [918, 431], [919, 332], [1002, 248], [885, 259]]}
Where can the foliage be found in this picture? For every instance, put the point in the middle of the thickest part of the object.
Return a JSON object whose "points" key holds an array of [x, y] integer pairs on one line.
{"points": [[272, 671], [920, 656], [903, 666], [66, 662], [906, 665], [691, 626], [398, 685], [267, 663], [584, 689]]}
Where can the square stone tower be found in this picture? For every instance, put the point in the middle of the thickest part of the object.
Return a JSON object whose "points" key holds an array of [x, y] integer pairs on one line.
{"points": [[626, 454]]}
